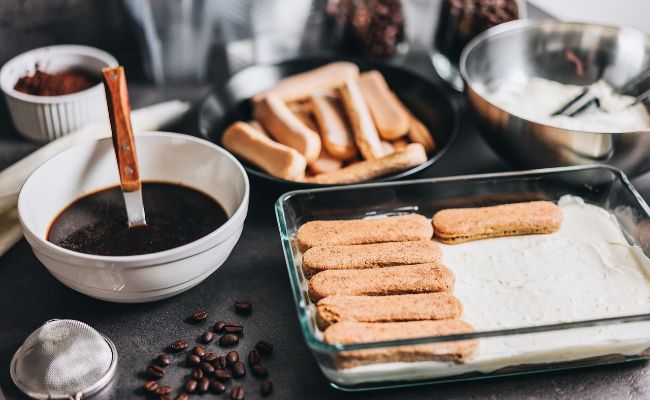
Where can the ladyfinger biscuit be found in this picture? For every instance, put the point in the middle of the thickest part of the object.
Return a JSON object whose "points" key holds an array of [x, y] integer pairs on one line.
{"points": [[388, 148], [391, 120], [405, 307], [373, 255], [399, 144], [403, 279], [303, 111], [285, 127], [412, 156], [324, 163], [255, 124], [335, 132], [363, 231], [257, 148], [363, 128], [352, 332], [418, 132], [458, 225], [301, 86]]}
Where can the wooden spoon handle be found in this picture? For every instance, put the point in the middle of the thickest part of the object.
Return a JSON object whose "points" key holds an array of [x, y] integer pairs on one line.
{"points": [[119, 112]]}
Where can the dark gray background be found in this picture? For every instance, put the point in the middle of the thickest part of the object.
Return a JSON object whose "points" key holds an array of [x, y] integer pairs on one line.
{"points": [[256, 270]]}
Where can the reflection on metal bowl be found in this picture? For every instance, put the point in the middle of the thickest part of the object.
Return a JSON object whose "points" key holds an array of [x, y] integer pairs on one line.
{"points": [[519, 50]]}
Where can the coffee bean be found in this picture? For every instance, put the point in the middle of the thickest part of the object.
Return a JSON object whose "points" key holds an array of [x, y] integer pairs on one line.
{"points": [[178, 345], [237, 393], [233, 327], [163, 360], [222, 375], [192, 360], [182, 396], [164, 397], [222, 362], [266, 388], [229, 339], [150, 386], [209, 357], [217, 387], [207, 337], [264, 347], [204, 384], [218, 326], [232, 357], [162, 390], [197, 373], [155, 371], [238, 369], [199, 351], [190, 385], [243, 306], [199, 316], [259, 371], [207, 367], [253, 357]]}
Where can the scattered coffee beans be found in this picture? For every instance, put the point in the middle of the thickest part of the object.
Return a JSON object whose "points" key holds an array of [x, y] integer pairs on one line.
{"points": [[253, 357], [192, 360], [155, 371], [266, 388], [190, 385], [206, 367], [259, 371], [178, 345], [218, 326], [237, 393], [243, 306], [221, 360], [222, 375], [204, 384], [163, 360], [233, 327], [199, 316], [264, 347], [217, 387], [207, 337], [229, 339], [163, 390], [197, 374], [199, 351], [210, 357], [150, 386], [239, 369], [232, 357]]}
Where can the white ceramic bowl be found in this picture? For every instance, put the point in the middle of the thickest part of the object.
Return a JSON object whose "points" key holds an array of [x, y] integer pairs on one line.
{"points": [[162, 156], [45, 118]]}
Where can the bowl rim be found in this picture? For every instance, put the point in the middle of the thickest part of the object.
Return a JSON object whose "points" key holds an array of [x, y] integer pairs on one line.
{"points": [[48, 52], [523, 24], [148, 259], [329, 58]]}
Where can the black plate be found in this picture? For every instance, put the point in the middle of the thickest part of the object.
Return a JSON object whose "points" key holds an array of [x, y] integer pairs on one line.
{"points": [[231, 102]]}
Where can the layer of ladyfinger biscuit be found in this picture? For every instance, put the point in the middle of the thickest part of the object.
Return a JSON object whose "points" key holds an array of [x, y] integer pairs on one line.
{"points": [[405, 307], [363, 231], [403, 279], [351, 332], [373, 255], [464, 224]]}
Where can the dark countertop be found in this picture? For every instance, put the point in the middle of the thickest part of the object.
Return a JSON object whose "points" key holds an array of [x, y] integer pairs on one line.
{"points": [[256, 270]]}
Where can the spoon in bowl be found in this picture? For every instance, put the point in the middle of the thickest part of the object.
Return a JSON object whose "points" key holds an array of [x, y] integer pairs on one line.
{"points": [[119, 111]]}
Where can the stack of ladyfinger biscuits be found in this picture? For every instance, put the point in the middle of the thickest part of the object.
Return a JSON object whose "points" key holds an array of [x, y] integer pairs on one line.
{"points": [[330, 125], [383, 279]]}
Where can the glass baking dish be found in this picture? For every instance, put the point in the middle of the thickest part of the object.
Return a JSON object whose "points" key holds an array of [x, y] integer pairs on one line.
{"points": [[566, 345]]}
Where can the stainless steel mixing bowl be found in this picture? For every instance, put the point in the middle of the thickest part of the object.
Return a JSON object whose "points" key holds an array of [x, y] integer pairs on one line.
{"points": [[518, 50]]}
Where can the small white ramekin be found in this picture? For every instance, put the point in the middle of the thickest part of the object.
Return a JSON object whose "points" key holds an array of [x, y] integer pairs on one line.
{"points": [[166, 157], [45, 118]]}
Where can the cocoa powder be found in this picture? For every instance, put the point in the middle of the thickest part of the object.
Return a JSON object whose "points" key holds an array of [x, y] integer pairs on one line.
{"points": [[56, 84]]}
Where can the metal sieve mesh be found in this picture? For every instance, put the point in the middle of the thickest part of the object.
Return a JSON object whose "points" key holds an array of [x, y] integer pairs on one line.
{"points": [[63, 359]]}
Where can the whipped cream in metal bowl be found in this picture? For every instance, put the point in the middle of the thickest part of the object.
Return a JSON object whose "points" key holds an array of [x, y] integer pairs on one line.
{"points": [[536, 99], [587, 270]]}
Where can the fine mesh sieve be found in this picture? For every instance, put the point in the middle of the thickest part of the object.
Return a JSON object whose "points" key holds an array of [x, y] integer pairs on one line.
{"points": [[64, 359]]}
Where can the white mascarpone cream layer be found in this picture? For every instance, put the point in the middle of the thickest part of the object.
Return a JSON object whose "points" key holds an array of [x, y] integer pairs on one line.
{"points": [[586, 270]]}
